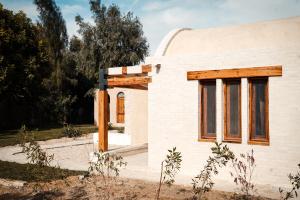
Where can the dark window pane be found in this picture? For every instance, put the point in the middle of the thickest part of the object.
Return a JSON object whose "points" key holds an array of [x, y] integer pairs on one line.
{"points": [[209, 108], [259, 108], [233, 110]]}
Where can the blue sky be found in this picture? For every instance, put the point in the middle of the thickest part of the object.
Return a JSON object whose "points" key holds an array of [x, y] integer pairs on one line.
{"points": [[161, 16]]}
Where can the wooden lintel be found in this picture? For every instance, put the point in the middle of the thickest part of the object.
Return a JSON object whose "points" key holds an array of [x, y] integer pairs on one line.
{"points": [[235, 73], [128, 81], [146, 68], [103, 120]]}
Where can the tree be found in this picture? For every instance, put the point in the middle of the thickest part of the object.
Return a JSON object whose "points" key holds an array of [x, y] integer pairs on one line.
{"points": [[63, 81], [24, 65], [115, 40], [54, 29]]}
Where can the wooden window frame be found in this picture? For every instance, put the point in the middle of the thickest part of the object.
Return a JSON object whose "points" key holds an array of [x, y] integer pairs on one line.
{"points": [[227, 136], [252, 140], [203, 137]]}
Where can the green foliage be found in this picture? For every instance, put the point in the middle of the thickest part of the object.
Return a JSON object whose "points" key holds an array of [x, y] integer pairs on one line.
{"points": [[30, 172], [172, 166], [10, 138], [43, 80], [243, 172], [70, 131], [295, 182], [169, 168], [115, 40], [53, 28], [203, 182], [36, 156], [33, 151], [23, 68], [106, 165], [63, 79]]}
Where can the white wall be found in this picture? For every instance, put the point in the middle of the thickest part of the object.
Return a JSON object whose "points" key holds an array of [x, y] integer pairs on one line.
{"points": [[136, 113], [136, 124], [173, 107]]}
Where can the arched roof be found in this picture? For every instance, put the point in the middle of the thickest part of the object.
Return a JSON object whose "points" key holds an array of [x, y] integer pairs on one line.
{"points": [[276, 33]]}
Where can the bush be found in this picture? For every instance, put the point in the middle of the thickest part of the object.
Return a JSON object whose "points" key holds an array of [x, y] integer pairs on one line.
{"points": [[39, 159], [169, 168], [33, 151], [243, 172], [71, 132], [203, 183], [295, 181], [107, 165]]}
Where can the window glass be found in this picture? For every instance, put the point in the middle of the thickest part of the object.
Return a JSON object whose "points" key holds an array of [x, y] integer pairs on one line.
{"points": [[208, 108], [232, 108], [259, 108]]}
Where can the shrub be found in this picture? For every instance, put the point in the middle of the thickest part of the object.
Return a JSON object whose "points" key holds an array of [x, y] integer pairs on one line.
{"points": [[33, 151], [203, 183], [295, 182], [107, 164], [39, 159], [169, 168], [243, 172], [70, 131]]}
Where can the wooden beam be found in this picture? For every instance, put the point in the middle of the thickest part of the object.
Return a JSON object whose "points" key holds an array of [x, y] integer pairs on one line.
{"points": [[103, 120], [127, 75], [128, 81], [146, 68], [138, 87], [235, 73]]}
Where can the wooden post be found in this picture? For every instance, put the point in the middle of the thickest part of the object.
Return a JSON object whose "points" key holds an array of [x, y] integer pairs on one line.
{"points": [[103, 120]]}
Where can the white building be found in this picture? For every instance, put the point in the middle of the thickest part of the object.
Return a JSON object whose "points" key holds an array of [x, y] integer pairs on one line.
{"points": [[253, 105]]}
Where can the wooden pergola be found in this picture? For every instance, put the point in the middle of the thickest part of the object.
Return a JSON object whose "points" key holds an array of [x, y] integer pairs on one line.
{"points": [[138, 80]]}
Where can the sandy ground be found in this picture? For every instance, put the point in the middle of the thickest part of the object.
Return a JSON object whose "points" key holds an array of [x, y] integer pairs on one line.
{"points": [[94, 188], [68, 153], [75, 154]]}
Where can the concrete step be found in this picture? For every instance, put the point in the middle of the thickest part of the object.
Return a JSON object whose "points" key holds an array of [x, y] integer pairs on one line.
{"points": [[131, 150]]}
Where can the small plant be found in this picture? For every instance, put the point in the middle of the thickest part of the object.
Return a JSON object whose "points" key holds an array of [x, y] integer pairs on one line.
{"points": [[243, 172], [107, 165], [35, 155], [203, 183], [33, 151], [169, 168], [70, 131], [295, 181]]}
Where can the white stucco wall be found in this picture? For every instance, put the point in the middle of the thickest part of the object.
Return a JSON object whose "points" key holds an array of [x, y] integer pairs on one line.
{"points": [[173, 101], [136, 113]]}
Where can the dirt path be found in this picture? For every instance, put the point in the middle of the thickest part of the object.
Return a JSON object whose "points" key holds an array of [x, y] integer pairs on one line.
{"points": [[94, 188]]}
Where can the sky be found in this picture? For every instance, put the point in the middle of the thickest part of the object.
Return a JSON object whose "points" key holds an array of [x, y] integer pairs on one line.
{"points": [[161, 16]]}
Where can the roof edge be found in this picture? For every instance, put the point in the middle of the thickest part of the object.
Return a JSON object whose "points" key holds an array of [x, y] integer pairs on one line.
{"points": [[164, 44]]}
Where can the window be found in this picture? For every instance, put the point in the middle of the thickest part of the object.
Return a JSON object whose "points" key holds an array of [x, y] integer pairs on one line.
{"points": [[120, 107], [208, 110], [232, 110], [259, 111]]}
